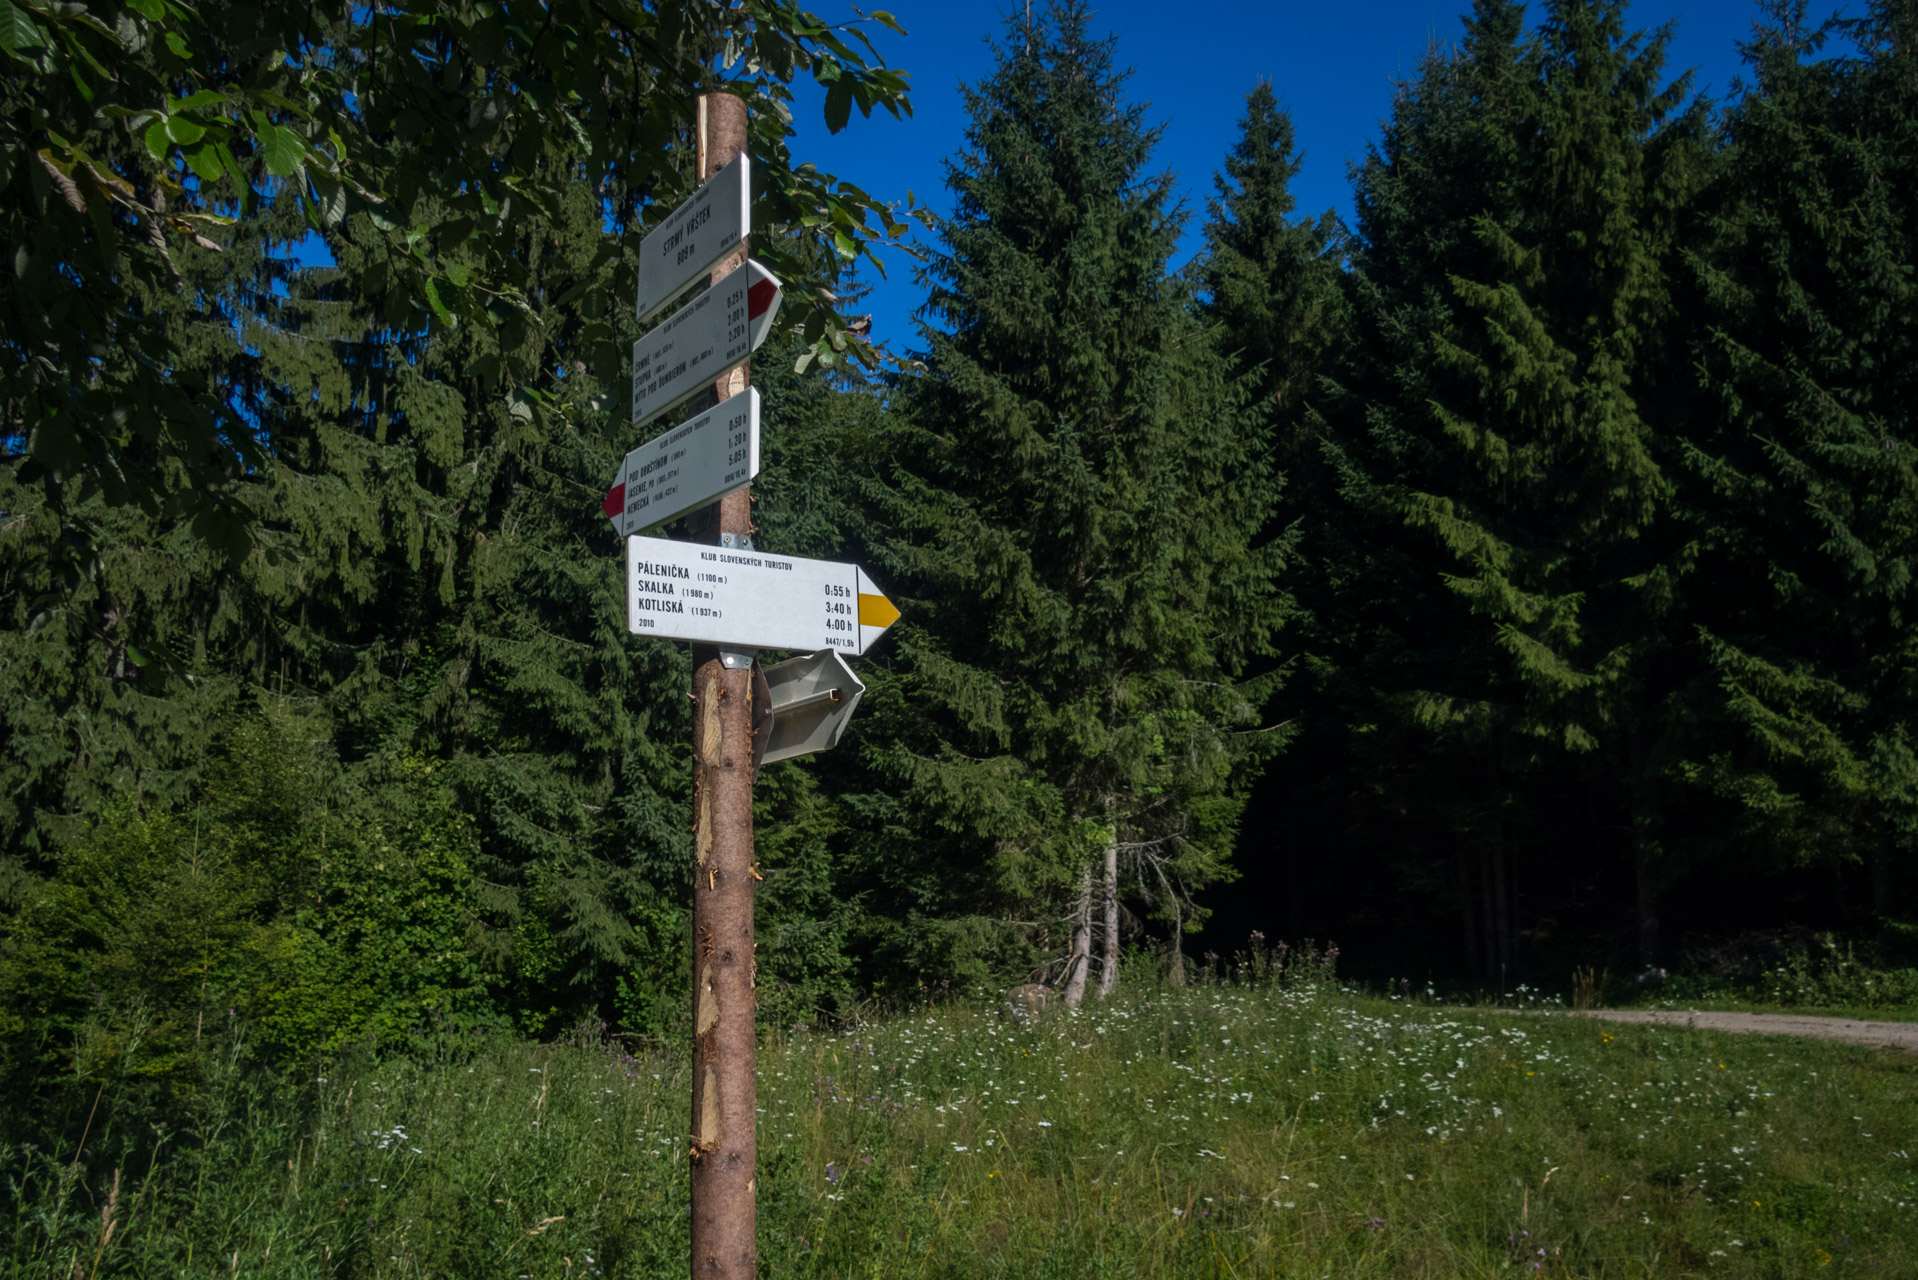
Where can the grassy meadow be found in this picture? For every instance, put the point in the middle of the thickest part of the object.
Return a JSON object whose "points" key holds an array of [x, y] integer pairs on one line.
{"points": [[1250, 1129]]}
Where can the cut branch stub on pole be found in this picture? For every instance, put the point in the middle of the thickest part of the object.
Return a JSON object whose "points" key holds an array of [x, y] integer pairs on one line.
{"points": [[724, 1138]]}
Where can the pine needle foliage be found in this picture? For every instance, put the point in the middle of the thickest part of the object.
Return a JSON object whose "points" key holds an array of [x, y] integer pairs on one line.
{"points": [[1555, 343]]}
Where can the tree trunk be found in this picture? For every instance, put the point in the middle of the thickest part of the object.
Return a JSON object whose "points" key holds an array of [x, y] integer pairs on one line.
{"points": [[1294, 889], [1647, 910], [1490, 913], [1109, 959], [1502, 895], [1081, 942], [1175, 967]]}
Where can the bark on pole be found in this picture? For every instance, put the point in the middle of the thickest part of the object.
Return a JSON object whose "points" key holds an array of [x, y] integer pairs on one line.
{"points": [[725, 1052]]}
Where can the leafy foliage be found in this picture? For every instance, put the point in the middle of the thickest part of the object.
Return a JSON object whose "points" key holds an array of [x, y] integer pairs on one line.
{"points": [[321, 915], [150, 124], [1577, 477]]}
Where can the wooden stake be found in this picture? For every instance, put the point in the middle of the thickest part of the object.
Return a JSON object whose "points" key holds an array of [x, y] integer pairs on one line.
{"points": [[725, 1051]]}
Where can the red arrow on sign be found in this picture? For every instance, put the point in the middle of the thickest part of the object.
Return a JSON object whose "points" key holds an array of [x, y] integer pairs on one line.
{"points": [[762, 301], [763, 294]]}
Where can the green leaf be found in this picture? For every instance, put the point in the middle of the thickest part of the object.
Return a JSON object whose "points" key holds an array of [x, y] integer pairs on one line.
{"points": [[177, 43], [184, 131], [241, 182], [156, 139], [439, 308], [886, 19], [18, 31], [459, 274], [330, 197], [151, 9], [283, 149], [205, 162], [838, 104]]}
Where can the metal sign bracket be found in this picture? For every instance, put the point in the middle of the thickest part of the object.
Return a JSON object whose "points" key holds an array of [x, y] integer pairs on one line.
{"points": [[737, 659]]}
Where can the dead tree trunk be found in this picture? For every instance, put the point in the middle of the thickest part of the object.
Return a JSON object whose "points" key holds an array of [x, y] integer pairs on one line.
{"points": [[1081, 942], [1109, 956], [1175, 963]]}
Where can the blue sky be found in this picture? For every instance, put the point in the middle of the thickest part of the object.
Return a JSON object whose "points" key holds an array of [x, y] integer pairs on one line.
{"points": [[1333, 66]]}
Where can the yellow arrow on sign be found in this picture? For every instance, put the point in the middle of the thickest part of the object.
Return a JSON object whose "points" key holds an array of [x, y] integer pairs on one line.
{"points": [[876, 611]]}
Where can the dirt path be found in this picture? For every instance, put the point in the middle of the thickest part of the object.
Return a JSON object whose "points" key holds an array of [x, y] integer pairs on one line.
{"points": [[1881, 1035]]}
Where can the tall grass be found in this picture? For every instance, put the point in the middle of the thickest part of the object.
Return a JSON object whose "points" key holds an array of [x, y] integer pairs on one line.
{"points": [[1253, 1129]]}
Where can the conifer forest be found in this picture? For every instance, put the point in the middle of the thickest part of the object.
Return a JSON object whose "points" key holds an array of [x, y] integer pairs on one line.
{"points": [[1513, 578]]}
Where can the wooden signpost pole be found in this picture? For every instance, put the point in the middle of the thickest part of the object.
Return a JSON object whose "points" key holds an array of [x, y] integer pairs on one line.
{"points": [[725, 1053]]}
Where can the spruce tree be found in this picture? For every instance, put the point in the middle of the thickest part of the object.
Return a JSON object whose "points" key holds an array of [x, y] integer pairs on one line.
{"points": [[1270, 279], [1419, 781], [1271, 286], [1519, 275], [1804, 479], [1557, 536], [1070, 513]]}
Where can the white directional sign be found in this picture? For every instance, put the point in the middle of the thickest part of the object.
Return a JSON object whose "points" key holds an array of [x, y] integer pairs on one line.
{"points": [[750, 599], [694, 237], [688, 466], [703, 339]]}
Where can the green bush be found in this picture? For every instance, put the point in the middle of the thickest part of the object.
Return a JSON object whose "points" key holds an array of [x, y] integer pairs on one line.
{"points": [[316, 909], [1820, 972]]}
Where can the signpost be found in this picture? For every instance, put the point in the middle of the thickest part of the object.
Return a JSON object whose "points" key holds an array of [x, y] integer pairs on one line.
{"points": [[693, 238], [728, 599], [688, 466], [739, 598], [703, 340]]}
